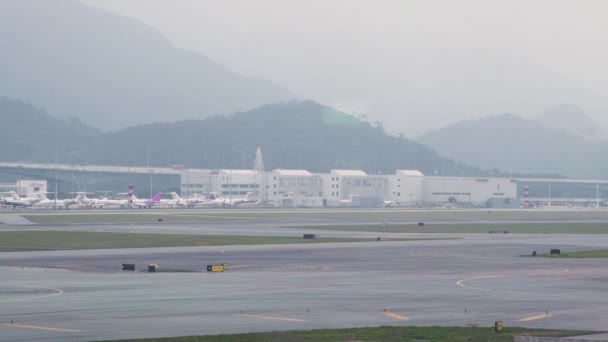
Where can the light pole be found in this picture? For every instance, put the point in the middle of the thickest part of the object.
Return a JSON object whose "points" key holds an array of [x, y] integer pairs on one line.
{"points": [[597, 190], [187, 186], [149, 169], [56, 181], [549, 193]]}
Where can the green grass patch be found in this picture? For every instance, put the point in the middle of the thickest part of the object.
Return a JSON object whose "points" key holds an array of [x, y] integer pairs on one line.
{"points": [[14, 241], [483, 228], [386, 333], [596, 253]]}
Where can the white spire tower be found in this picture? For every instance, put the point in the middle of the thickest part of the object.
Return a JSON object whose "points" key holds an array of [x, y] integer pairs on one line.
{"points": [[258, 165]]}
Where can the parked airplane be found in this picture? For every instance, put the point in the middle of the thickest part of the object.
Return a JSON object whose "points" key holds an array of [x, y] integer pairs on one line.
{"points": [[177, 201], [46, 203], [108, 202], [147, 203], [13, 200], [389, 203], [223, 201]]}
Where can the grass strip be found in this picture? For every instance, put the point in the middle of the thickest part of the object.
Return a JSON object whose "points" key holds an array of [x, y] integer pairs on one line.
{"points": [[14, 241], [479, 228], [385, 333], [596, 253]]}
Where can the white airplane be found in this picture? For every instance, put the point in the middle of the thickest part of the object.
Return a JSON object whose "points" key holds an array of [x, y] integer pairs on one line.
{"points": [[177, 201], [13, 200], [347, 202], [223, 201], [147, 203], [389, 203], [46, 203], [108, 202]]}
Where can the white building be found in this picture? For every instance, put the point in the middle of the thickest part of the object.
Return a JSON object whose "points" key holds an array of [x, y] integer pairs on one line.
{"points": [[198, 181], [468, 191], [405, 187], [26, 188], [238, 182], [354, 187], [295, 188], [300, 188], [227, 182]]}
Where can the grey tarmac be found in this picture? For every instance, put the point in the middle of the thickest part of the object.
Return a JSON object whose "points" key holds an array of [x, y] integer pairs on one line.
{"points": [[81, 295]]}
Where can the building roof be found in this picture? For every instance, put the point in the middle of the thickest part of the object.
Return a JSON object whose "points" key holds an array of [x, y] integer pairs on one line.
{"points": [[346, 173], [411, 173], [239, 172], [292, 172]]}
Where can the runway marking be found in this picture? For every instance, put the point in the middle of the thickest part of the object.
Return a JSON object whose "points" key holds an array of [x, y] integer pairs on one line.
{"points": [[38, 327], [533, 318], [395, 316], [274, 318], [58, 292], [462, 281]]}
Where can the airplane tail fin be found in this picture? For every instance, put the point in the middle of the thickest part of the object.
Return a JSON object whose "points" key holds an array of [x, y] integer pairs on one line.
{"points": [[157, 197]]}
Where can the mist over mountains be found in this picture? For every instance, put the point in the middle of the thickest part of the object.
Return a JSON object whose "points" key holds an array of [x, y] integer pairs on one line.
{"points": [[562, 139], [111, 71], [571, 119]]}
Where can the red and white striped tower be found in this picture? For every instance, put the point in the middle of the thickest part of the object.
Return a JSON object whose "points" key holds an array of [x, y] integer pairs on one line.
{"points": [[526, 196], [131, 187]]}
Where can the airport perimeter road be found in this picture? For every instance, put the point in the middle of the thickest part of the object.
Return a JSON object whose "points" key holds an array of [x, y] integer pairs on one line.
{"points": [[448, 282]]}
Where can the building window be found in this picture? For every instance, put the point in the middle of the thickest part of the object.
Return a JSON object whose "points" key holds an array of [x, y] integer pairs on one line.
{"points": [[337, 186], [332, 179], [333, 194], [337, 178], [337, 194], [275, 193], [399, 194], [332, 186]]}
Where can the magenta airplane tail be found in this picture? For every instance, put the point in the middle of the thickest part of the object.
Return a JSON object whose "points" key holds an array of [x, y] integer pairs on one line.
{"points": [[157, 197]]}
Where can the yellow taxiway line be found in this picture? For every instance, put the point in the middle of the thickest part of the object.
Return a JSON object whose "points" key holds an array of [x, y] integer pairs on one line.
{"points": [[534, 318], [38, 327], [395, 316], [274, 318]]}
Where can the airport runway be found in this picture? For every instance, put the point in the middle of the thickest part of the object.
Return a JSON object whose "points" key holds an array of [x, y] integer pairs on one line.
{"points": [[81, 295]]}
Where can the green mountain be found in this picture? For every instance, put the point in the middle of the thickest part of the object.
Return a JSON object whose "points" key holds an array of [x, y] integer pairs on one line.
{"points": [[509, 142], [294, 135], [111, 71]]}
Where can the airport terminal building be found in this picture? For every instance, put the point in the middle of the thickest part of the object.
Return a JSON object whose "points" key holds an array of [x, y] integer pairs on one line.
{"points": [[355, 188]]}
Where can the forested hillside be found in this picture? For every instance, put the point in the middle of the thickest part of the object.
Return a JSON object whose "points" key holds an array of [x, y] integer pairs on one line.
{"points": [[298, 135]]}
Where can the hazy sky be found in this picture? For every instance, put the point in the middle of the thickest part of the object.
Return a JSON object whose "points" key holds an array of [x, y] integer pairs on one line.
{"points": [[415, 65]]}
